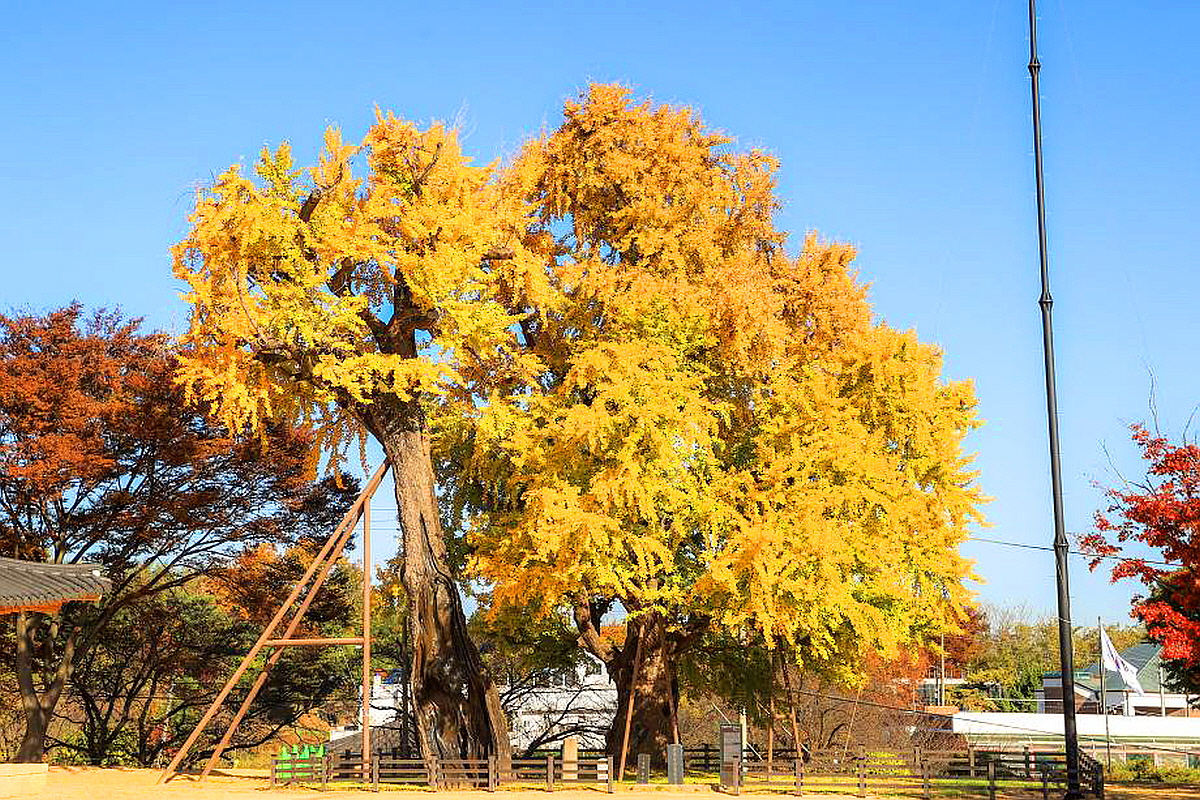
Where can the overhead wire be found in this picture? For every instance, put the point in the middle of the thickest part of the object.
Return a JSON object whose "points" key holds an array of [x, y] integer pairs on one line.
{"points": [[1026, 546]]}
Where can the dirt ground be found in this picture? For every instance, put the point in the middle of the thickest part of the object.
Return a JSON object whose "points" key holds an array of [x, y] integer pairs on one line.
{"points": [[90, 783]]}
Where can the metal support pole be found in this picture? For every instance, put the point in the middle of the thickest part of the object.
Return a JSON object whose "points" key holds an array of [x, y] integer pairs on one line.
{"points": [[1046, 303], [1104, 693], [1162, 697]]}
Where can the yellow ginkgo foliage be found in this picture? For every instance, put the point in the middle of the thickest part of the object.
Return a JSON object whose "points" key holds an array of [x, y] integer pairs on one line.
{"points": [[714, 435], [348, 296]]}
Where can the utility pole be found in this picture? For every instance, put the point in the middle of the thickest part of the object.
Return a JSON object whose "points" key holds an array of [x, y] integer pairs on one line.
{"points": [[1103, 693], [942, 673], [1046, 303]]}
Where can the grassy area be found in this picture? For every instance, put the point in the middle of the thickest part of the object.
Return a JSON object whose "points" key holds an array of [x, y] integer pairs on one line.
{"points": [[1142, 772]]}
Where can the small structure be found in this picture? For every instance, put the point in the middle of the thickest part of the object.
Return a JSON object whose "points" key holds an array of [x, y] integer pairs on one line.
{"points": [[37, 586], [1157, 700]]}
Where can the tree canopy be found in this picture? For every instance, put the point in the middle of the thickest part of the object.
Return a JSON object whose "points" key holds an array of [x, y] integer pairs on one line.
{"points": [[720, 437], [1162, 512], [100, 462], [720, 429]]}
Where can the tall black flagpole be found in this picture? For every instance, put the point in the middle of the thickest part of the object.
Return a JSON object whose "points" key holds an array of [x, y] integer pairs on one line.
{"points": [[1046, 302]]}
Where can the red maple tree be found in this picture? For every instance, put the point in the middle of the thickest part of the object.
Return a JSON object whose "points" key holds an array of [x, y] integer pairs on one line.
{"points": [[1162, 512], [101, 462]]}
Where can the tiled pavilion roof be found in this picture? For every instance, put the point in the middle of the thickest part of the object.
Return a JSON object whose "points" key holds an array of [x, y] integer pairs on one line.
{"points": [[37, 586]]}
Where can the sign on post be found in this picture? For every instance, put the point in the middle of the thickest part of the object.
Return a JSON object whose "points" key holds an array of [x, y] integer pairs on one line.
{"points": [[675, 764], [731, 752]]}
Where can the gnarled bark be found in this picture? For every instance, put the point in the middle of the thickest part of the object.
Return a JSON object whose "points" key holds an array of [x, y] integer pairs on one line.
{"points": [[647, 679], [649, 682], [456, 705]]}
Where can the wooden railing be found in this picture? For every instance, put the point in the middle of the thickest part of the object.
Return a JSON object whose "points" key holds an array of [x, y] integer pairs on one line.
{"points": [[929, 774], [923, 773]]}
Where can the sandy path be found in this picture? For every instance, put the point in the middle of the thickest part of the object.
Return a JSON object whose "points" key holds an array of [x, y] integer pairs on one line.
{"points": [[92, 783]]}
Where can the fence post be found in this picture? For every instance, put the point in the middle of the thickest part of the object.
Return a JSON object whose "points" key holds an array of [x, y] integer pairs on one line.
{"points": [[971, 760], [608, 770], [862, 773], [1099, 773], [1045, 784], [375, 772], [324, 771], [991, 775], [737, 775], [550, 773], [1028, 772], [491, 773], [431, 769], [799, 767], [925, 789]]}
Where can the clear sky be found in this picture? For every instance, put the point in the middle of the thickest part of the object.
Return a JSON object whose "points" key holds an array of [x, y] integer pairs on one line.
{"points": [[902, 127]]}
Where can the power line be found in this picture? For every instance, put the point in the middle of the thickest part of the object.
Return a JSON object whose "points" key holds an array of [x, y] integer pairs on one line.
{"points": [[1025, 546]]}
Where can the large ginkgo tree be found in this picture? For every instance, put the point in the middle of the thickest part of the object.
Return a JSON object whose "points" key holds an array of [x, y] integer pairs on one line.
{"points": [[721, 438]]}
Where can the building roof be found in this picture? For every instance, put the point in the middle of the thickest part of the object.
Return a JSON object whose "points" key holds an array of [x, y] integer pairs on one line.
{"points": [[36, 586], [1144, 657]]}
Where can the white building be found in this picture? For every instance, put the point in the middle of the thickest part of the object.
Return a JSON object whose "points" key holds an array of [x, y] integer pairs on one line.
{"points": [[1156, 700], [552, 705], [581, 702], [387, 702], [1112, 720]]}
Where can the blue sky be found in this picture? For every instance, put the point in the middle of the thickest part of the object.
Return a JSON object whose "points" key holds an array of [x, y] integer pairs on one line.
{"points": [[902, 127]]}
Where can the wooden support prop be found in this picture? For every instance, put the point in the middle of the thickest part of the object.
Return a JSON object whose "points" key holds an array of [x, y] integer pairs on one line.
{"points": [[329, 552], [312, 642], [787, 682], [366, 637], [342, 535], [637, 662]]}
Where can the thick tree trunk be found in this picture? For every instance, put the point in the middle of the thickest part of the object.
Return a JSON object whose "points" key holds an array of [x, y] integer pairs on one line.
{"points": [[33, 741], [456, 706], [38, 707], [654, 691]]}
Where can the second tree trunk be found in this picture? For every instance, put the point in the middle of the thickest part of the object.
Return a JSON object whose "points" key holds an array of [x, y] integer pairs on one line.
{"points": [[654, 692]]}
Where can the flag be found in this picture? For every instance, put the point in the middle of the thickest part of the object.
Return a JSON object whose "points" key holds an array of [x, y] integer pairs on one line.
{"points": [[1111, 659]]}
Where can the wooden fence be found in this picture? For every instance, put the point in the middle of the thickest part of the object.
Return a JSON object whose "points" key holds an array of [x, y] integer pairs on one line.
{"points": [[481, 773], [918, 773], [926, 774]]}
